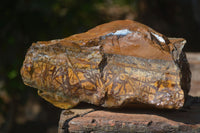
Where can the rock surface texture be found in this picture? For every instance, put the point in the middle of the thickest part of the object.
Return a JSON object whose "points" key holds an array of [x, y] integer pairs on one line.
{"points": [[134, 121], [117, 64]]}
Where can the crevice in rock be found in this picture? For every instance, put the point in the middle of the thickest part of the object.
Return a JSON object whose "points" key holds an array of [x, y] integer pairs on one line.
{"points": [[103, 62]]}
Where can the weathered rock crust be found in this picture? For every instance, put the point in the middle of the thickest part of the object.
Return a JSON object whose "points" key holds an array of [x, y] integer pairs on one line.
{"points": [[111, 65]]}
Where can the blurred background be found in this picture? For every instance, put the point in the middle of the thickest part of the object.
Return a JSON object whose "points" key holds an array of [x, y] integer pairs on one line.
{"points": [[23, 22]]}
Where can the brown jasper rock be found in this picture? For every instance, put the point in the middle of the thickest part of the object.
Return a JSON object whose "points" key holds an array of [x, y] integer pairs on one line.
{"points": [[112, 65]]}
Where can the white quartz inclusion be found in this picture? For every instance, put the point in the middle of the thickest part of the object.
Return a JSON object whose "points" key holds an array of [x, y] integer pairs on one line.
{"points": [[118, 33], [161, 39], [122, 32]]}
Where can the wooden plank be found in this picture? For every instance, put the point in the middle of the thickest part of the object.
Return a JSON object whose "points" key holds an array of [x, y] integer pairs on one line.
{"points": [[137, 120], [194, 60], [133, 120]]}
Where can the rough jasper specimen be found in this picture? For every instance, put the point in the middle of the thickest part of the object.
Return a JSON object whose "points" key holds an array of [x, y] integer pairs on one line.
{"points": [[112, 65]]}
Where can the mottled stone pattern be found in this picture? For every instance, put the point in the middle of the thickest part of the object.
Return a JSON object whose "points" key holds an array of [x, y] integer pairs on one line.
{"points": [[64, 77], [112, 65], [143, 80]]}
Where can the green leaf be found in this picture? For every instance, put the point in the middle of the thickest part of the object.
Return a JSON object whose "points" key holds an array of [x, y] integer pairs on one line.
{"points": [[12, 74]]}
